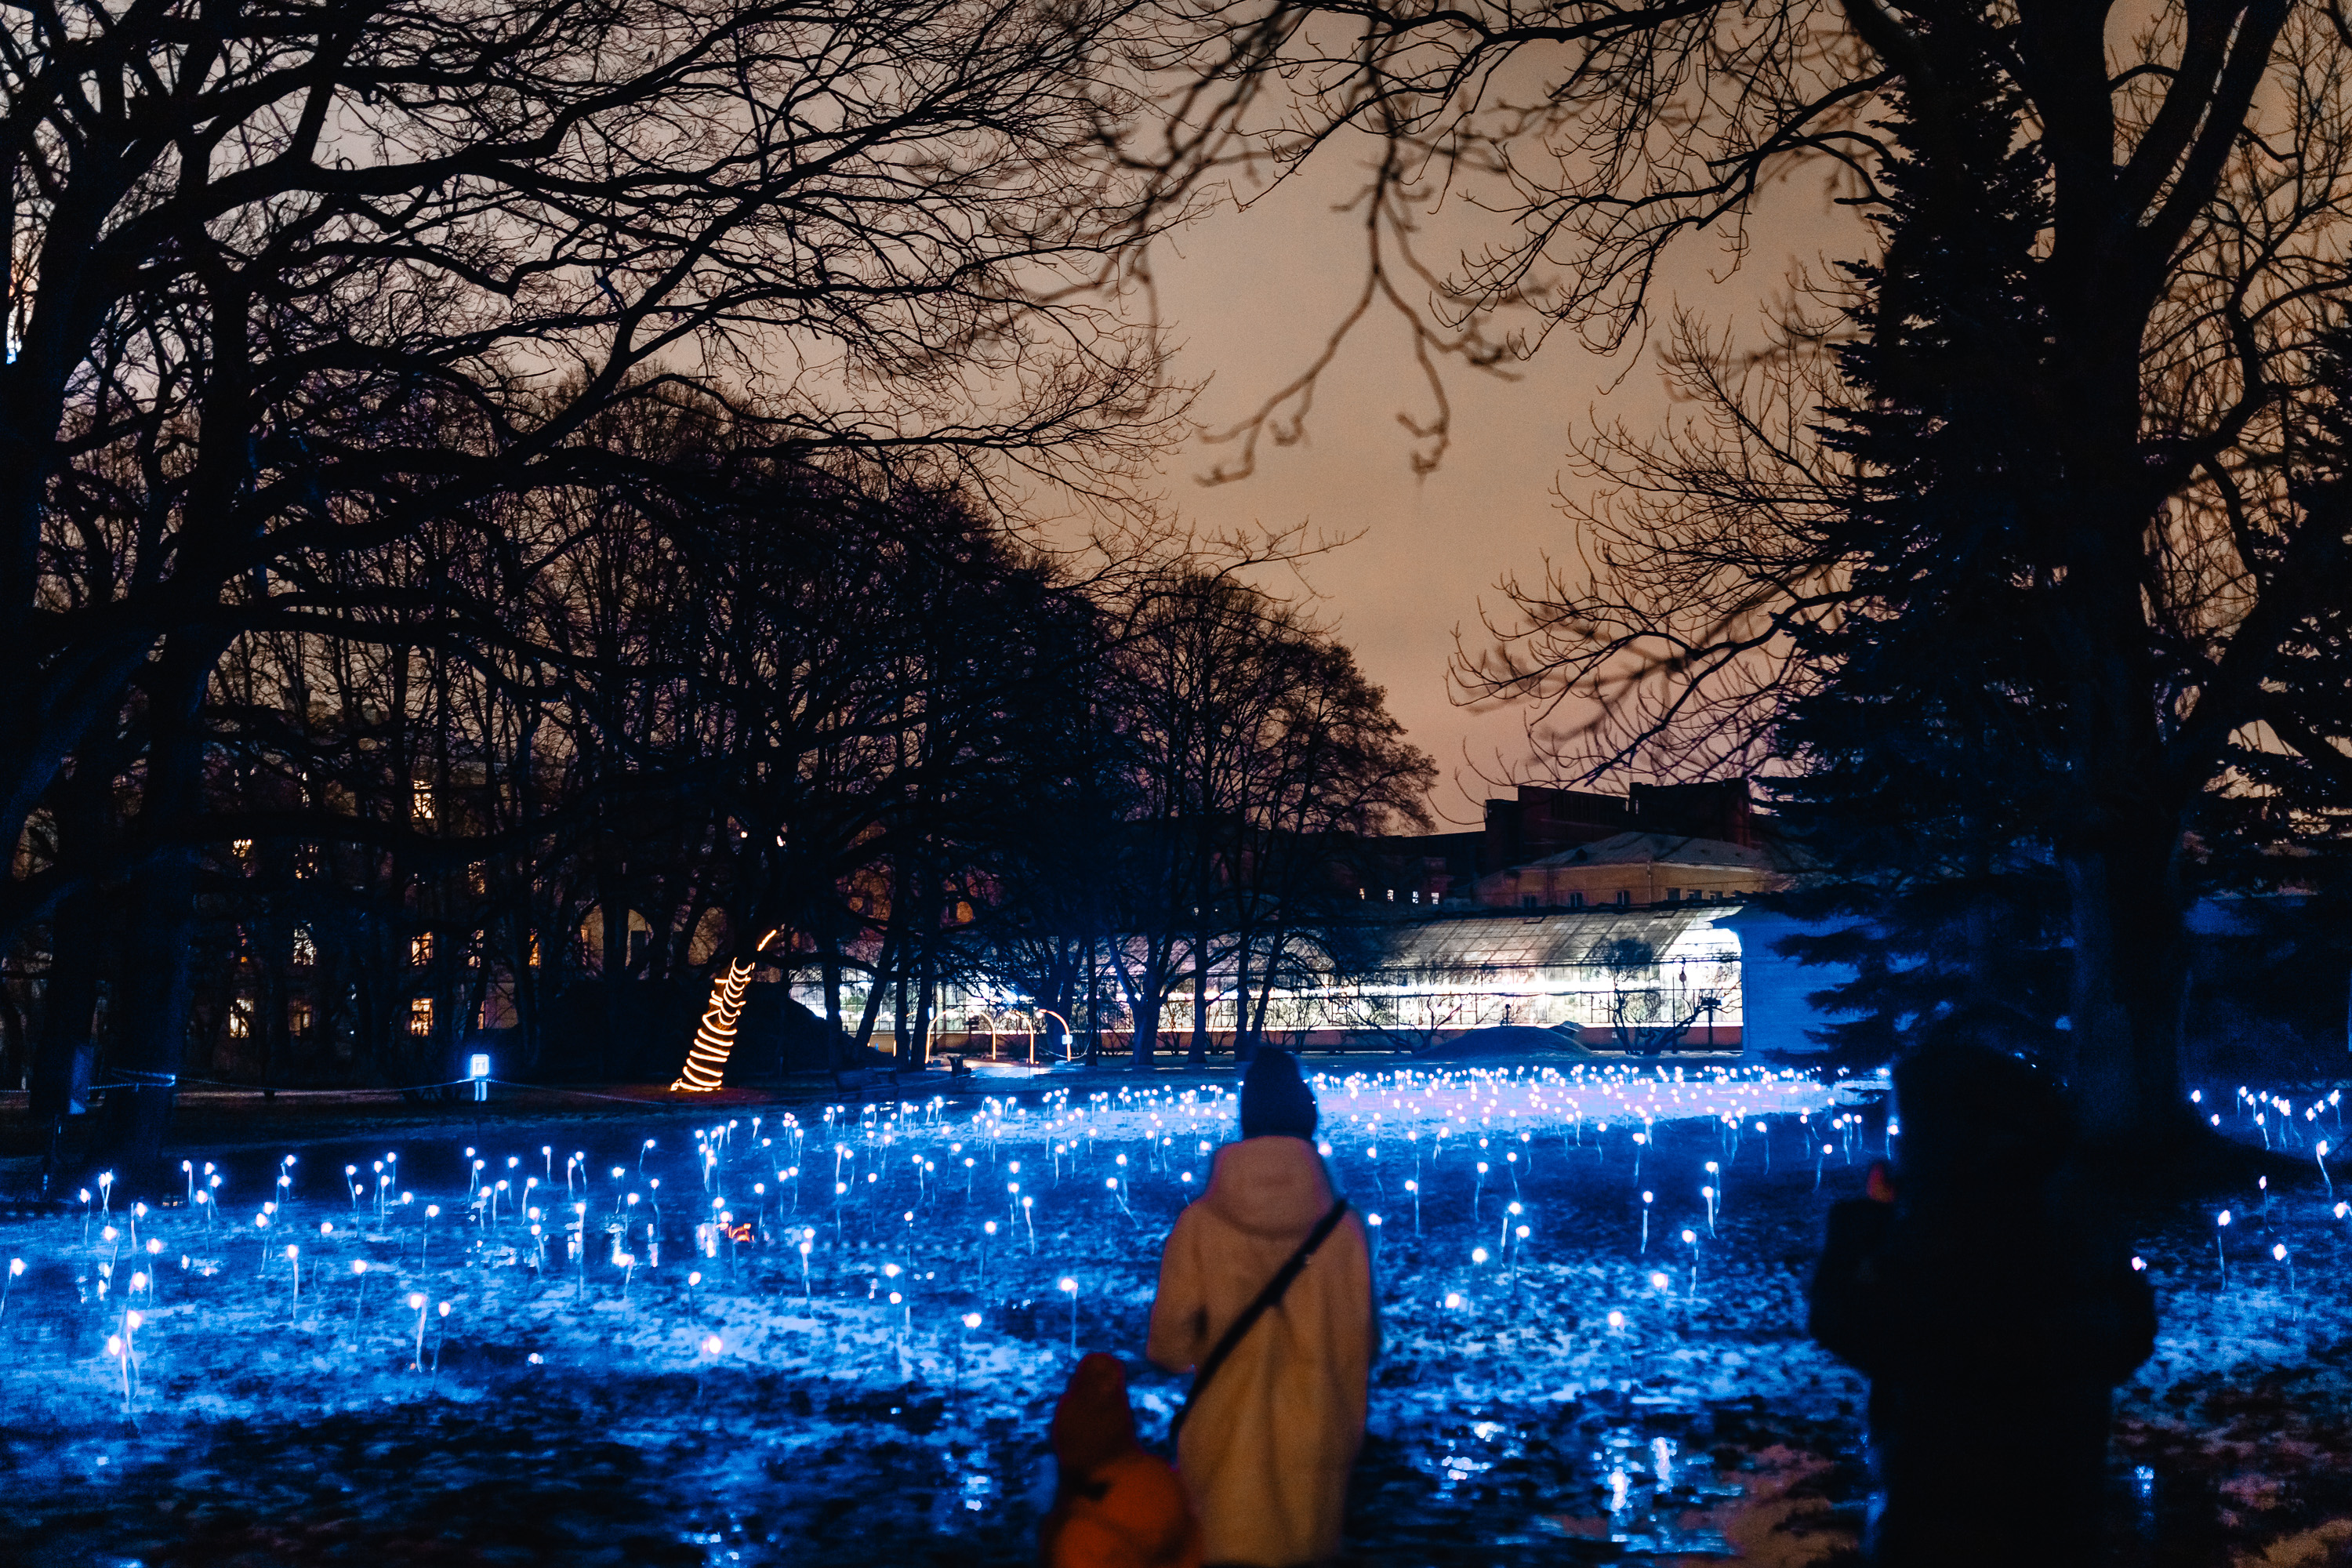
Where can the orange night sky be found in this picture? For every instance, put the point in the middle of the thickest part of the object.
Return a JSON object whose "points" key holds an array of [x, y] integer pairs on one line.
{"points": [[1250, 295]]}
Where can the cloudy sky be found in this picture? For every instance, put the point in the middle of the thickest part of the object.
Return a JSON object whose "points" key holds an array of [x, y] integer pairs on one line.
{"points": [[1251, 297]]}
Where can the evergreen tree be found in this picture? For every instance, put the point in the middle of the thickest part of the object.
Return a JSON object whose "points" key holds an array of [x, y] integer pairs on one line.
{"points": [[1919, 800]]}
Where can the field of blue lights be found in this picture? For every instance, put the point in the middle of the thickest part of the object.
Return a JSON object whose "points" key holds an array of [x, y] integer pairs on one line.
{"points": [[830, 1332]]}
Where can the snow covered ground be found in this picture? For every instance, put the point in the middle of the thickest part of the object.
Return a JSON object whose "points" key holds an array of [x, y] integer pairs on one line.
{"points": [[833, 1333]]}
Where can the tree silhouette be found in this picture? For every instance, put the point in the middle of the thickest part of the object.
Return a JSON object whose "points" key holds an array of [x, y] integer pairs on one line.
{"points": [[2192, 169]]}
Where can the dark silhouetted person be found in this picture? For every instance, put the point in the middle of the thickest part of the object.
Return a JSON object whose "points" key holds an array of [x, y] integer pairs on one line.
{"points": [[1269, 1439], [1116, 1505], [1992, 1314]]}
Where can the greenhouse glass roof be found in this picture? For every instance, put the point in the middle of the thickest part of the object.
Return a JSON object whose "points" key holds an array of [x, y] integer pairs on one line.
{"points": [[1506, 940]]}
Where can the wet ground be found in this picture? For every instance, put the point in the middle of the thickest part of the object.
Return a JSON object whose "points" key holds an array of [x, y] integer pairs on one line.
{"points": [[715, 1405]]}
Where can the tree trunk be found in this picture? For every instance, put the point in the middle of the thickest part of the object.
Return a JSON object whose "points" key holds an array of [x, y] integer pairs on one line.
{"points": [[875, 987], [152, 1038], [2129, 996], [478, 991], [1200, 959], [1094, 1003], [68, 1005], [272, 1026], [1242, 1042], [917, 1049], [1142, 1007], [526, 997], [832, 971], [1143, 1039], [899, 1014], [614, 960], [1265, 984]]}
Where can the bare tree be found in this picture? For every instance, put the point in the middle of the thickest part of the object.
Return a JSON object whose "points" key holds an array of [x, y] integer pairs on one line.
{"points": [[285, 281], [2196, 187], [1256, 749]]}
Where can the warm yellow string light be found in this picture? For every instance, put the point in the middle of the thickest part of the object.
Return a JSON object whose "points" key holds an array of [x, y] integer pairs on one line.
{"points": [[706, 1062]]}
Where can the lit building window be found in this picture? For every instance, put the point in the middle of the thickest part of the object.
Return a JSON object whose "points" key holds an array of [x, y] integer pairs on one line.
{"points": [[420, 1015], [420, 948], [306, 861], [476, 879], [240, 1018], [305, 950], [534, 950], [298, 1017], [243, 847], [421, 802]]}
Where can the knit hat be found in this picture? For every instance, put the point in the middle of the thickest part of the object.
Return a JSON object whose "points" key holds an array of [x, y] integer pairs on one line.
{"points": [[1276, 1101], [1092, 1425]]}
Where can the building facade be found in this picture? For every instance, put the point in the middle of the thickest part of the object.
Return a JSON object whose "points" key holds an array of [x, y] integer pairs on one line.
{"points": [[1632, 870]]}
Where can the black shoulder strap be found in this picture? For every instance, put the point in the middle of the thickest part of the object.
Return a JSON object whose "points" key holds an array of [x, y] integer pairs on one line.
{"points": [[1275, 1290]]}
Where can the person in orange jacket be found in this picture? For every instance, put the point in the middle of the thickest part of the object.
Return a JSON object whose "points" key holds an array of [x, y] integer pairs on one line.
{"points": [[1116, 1505]]}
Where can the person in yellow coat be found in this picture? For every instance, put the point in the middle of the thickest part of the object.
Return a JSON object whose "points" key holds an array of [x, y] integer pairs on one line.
{"points": [[1117, 1506], [1268, 1443]]}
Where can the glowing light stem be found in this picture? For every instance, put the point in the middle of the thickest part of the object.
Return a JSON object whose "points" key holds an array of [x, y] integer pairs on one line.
{"points": [[125, 1343]]}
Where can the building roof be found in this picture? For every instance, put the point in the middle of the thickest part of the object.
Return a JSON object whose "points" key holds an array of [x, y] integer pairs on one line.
{"points": [[1663, 848], [1517, 940]]}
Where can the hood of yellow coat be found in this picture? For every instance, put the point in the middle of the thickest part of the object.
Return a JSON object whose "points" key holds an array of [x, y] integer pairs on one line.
{"points": [[1271, 1187]]}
